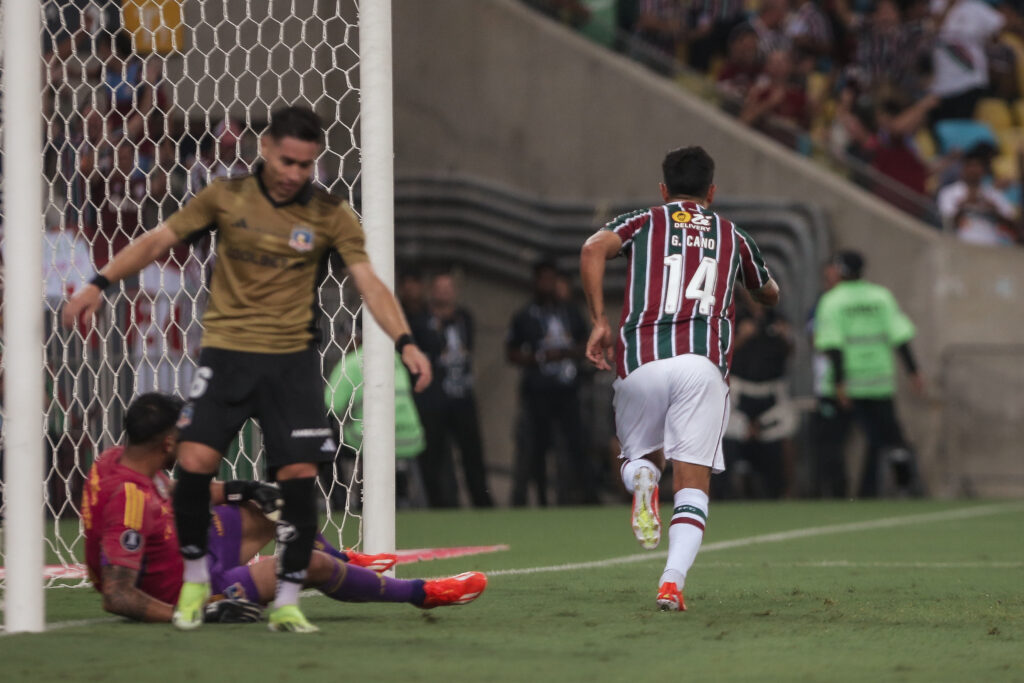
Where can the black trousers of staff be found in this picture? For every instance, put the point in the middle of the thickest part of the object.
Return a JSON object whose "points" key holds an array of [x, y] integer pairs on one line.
{"points": [[447, 422]]}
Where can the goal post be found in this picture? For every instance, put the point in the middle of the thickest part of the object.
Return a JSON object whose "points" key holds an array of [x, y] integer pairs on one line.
{"points": [[23, 322], [375, 68], [140, 109]]}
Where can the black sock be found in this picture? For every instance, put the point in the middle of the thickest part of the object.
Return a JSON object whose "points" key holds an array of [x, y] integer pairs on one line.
{"points": [[192, 513], [297, 529]]}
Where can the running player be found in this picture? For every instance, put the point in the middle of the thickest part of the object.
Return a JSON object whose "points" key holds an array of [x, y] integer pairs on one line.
{"points": [[258, 359], [673, 349], [132, 549]]}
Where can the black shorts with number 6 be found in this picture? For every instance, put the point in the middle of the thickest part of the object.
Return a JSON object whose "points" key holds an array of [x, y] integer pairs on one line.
{"points": [[283, 391]]}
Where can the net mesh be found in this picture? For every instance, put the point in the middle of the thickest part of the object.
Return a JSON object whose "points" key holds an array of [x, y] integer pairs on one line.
{"points": [[146, 101]]}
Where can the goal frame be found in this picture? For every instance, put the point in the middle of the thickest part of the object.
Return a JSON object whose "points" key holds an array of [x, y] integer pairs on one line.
{"points": [[23, 357]]}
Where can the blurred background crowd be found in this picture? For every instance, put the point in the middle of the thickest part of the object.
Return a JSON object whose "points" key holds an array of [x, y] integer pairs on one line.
{"points": [[919, 101]]}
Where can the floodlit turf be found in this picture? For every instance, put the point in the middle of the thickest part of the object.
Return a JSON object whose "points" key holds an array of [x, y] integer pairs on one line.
{"points": [[940, 598]]}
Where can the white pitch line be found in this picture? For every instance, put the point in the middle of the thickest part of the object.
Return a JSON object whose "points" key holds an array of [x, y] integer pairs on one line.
{"points": [[778, 537], [847, 564]]}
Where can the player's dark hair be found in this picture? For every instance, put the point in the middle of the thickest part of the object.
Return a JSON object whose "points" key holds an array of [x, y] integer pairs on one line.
{"points": [[150, 416], [850, 264], [688, 172], [297, 122]]}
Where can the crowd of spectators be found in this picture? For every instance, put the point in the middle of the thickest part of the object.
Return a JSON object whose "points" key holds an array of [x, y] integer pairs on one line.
{"points": [[910, 89], [911, 97], [119, 155]]}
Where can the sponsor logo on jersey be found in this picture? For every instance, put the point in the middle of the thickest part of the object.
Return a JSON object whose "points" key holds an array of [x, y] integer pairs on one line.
{"points": [[681, 217], [185, 418], [684, 219], [302, 238], [310, 433], [257, 259], [131, 540]]}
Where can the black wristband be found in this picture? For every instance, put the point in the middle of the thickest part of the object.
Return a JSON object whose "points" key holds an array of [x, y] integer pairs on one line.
{"points": [[100, 281], [403, 341]]}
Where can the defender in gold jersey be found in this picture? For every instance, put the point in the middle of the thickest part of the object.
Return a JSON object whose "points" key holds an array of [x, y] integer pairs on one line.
{"points": [[274, 230]]}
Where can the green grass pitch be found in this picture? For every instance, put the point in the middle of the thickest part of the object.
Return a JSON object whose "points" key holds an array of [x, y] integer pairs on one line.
{"points": [[879, 591]]}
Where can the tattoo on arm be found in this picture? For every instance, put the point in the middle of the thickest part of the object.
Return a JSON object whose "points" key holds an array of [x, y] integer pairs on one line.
{"points": [[120, 596]]}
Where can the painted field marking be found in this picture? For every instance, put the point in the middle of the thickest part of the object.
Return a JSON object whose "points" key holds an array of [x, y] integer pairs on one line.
{"points": [[79, 570], [778, 537], [847, 564]]}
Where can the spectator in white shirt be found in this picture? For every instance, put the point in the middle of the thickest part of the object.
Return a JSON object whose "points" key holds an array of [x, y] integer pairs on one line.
{"points": [[961, 78], [979, 213]]}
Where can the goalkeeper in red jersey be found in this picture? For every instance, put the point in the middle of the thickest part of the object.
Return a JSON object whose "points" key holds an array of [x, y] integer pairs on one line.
{"points": [[131, 543]]}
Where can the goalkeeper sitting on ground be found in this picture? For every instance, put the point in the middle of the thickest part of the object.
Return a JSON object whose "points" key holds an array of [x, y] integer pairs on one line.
{"points": [[132, 547]]}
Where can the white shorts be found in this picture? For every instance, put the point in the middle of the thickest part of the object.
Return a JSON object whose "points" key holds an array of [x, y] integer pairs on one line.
{"points": [[678, 404]]}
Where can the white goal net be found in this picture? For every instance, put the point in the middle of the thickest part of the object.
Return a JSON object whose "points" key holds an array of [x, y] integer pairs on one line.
{"points": [[144, 102]]}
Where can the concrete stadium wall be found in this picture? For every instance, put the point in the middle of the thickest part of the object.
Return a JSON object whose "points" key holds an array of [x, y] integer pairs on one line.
{"points": [[488, 88]]}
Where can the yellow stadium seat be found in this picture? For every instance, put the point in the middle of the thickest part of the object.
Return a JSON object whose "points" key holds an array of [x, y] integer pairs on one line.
{"points": [[1005, 168], [1010, 140], [1018, 109], [925, 144], [996, 113], [817, 86]]}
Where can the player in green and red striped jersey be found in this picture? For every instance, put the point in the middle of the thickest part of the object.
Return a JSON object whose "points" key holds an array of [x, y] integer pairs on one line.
{"points": [[674, 348]]}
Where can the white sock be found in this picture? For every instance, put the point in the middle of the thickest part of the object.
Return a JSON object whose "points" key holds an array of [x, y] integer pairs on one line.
{"points": [[689, 515], [197, 571], [287, 593], [630, 467]]}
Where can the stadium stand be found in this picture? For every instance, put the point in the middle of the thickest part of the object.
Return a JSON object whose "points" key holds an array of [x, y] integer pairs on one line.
{"points": [[822, 78], [484, 225]]}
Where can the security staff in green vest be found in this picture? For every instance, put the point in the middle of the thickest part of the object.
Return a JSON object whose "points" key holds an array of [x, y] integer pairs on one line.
{"points": [[344, 397], [857, 325]]}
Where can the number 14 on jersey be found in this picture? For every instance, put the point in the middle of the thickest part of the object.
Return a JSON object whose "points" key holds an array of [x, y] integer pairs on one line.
{"points": [[701, 287]]}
